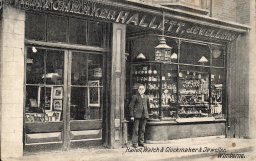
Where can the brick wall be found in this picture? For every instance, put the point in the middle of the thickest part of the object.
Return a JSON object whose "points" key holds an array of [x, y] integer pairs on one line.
{"points": [[224, 10], [243, 11]]}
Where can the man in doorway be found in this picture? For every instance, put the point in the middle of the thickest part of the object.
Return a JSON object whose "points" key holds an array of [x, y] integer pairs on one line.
{"points": [[139, 114]]}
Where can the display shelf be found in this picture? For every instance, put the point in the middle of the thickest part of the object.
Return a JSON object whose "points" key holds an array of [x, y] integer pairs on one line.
{"points": [[173, 89], [160, 85]]}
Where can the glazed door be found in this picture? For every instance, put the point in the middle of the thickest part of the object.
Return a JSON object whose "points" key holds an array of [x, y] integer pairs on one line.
{"points": [[85, 99]]}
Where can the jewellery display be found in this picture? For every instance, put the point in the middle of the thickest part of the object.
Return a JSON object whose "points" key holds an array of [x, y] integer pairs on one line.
{"points": [[160, 87], [179, 94]]}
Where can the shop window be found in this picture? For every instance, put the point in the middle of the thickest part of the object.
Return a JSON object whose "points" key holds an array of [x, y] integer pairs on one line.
{"points": [[174, 52], [195, 54], [35, 26], [217, 93], [78, 31], [218, 56], [35, 65], [95, 33], [193, 92], [86, 88], [191, 88], [44, 85], [57, 28], [169, 90], [149, 75]]}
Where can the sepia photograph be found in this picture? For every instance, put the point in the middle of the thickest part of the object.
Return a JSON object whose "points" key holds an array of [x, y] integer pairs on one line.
{"points": [[128, 80]]}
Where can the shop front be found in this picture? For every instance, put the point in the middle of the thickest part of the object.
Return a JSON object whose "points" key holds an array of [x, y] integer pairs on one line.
{"points": [[83, 60], [65, 87], [186, 87], [185, 66]]}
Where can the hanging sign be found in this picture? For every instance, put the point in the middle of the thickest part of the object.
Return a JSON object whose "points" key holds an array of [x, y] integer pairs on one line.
{"points": [[101, 9]]}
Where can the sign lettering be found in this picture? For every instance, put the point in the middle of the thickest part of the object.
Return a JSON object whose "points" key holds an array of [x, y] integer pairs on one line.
{"points": [[110, 13]]}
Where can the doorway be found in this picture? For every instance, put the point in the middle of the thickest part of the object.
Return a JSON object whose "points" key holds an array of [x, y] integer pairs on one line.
{"points": [[85, 99], [64, 99]]}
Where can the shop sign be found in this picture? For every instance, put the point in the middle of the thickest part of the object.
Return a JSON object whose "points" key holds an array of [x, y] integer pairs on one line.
{"points": [[99, 9]]}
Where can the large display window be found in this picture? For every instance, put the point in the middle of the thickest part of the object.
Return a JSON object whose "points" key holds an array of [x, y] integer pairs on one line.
{"points": [[63, 88], [64, 81], [189, 86]]}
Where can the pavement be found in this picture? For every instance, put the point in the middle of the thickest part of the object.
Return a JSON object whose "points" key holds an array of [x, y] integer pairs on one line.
{"points": [[192, 149]]}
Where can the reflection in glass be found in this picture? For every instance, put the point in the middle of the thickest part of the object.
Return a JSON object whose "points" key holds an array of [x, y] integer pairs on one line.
{"points": [[218, 57], [195, 54]]}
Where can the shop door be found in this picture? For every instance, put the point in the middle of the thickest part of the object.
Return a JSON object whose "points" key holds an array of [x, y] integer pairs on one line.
{"points": [[85, 99]]}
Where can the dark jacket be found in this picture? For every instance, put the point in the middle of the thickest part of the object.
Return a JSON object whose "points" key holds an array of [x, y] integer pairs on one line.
{"points": [[139, 106]]}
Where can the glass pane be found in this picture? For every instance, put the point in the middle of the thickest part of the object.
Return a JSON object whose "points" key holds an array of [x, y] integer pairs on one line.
{"points": [[32, 103], [94, 100], [79, 104], [35, 65], [174, 55], [194, 54], [148, 75], [218, 57], [78, 31], [79, 69], [217, 94], [86, 94], [95, 68], [193, 92], [35, 26], [95, 33], [44, 95], [169, 90], [57, 28], [54, 67], [85, 103]]}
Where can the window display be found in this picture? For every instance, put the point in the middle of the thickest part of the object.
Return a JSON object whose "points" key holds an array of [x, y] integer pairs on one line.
{"points": [[149, 75], [169, 90], [193, 92], [44, 85], [191, 87], [217, 86]]}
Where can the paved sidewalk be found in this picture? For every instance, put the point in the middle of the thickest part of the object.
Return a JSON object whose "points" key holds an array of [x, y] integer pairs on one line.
{"points": [[206, 148]]}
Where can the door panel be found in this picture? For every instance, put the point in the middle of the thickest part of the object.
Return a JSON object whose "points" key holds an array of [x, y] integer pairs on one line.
{"points": [[85, 125], [85, 96], [64, 95]]}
